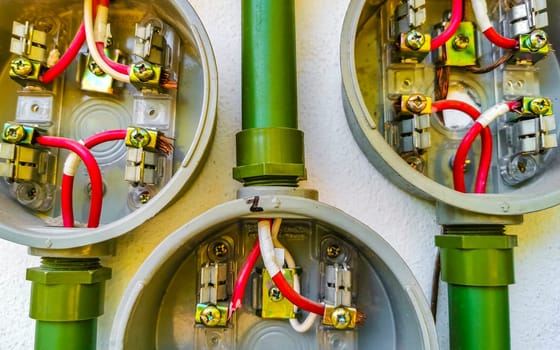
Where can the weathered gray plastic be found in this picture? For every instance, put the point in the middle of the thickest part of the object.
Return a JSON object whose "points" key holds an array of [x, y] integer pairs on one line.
{"points": [[537, 195], [156, 311], [196, 115]]}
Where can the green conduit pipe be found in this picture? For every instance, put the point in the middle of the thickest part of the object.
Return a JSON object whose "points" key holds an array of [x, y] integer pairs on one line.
{"points": [[477, 263], [270, 147], [67, 296]]}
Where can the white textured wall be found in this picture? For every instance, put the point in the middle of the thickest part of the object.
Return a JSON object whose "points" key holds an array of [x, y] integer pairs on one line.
{"points": [[336, 167]]}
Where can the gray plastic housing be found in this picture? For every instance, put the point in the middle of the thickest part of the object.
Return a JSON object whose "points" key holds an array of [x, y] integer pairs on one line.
{"points": [[157, 310], [364, 46], [186, 114]]}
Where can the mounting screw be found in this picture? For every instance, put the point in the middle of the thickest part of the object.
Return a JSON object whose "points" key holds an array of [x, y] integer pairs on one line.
{"points": [[220, 249], [415, 40], [143, 71], [540, 106], [94, 68], [274, 294], [461, 42], [333, 251], [416, 103], [139, 137], [22, 66], [14, 133], [210, 316], [341, 318], [144, 197], [415, 163], [537, 40]]}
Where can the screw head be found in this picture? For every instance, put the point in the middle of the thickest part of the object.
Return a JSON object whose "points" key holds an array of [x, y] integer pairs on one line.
{"points": [[415, 40], [540, 106], [22, 66], [537, 40], [461, 42], [210, 316], [94, 68], [139, 137], [220, 249], [333, 251], [274, 294], [14, 133], [416, 103], [143, 71], [144, 197], [341, 318]]}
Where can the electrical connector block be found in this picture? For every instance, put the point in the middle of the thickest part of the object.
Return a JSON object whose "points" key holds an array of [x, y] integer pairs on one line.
{"points": [[532, 47], [150, 43], [145, 75], [96, 80], [410, 14], [211, 315], [29, 42], [340, 317], [412, 47], [527, 15], [339, 285], [413, 123], [460, 50], [273, 304], [20, 134]]}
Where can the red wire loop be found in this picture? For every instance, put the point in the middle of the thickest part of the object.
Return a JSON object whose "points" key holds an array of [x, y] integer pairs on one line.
{"points": [[485, 155], [454, 22], [501, 41], [295, 298]]}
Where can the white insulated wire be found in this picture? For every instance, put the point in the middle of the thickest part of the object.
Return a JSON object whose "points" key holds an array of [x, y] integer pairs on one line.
{"points": [[267, 248], [72, 163], [300, 327], [493, 113], [481, 14], [98, 34]]}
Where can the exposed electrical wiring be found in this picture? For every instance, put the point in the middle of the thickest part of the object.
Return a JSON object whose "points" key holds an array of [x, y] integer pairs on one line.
{"points": [[300, 327], [91, 166], [486, 153], [481, 70], [480, 124], [451, 29], [71, 166], [243, 278], [97, 34], [267, 251], [481, 15]]}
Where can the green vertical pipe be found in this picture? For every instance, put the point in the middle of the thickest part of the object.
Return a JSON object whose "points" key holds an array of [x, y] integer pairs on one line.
{"points": [[269, 64], [67, 296], [478, 317], [477, 264], [270, 147]]}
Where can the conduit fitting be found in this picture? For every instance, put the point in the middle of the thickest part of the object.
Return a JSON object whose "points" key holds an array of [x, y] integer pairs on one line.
{"points": [[270, 147], [477, 262], [67, 296]]}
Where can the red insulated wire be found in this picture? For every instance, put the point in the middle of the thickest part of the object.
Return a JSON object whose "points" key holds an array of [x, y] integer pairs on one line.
{"points": [[454, 22], [92, 167], [70, 54], [486, 152], [119, 67], [243, 278], [461, 156], [68, 180], [501, 41], [295, 298]]}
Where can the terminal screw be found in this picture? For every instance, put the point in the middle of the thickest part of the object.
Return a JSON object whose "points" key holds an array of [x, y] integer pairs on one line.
{"points": [[22, 66], [274, 294], [13, 133], [210, 316], [139, 137], [460, 42], [143, 71], [220, 249], [540, 106], [341, 318], [415, 40], [416, 103], [94, 68], [537, 40], [333, 251]]}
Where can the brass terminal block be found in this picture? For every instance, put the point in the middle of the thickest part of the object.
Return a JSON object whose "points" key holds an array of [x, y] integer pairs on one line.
{"points": [[531, 106], [94, 79], [24, 70], [340, 317], [412, 47], [274, 304], [532, 47], [416, 104], [143, 138], [19, 134], [460, 51], [211, 315], [145, 75]]}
